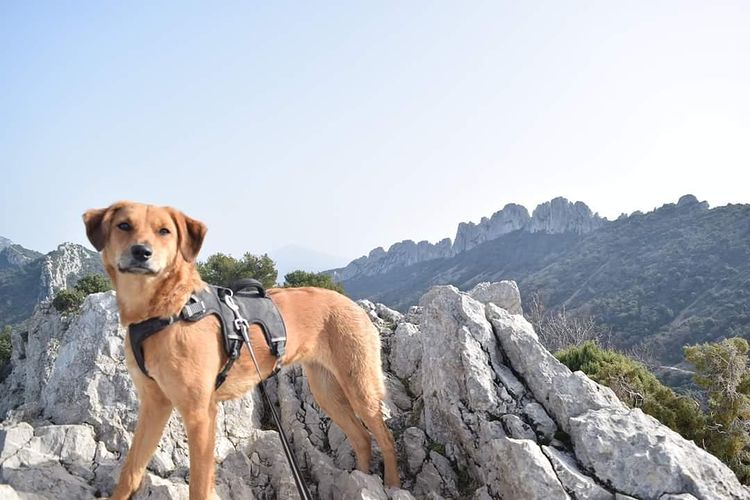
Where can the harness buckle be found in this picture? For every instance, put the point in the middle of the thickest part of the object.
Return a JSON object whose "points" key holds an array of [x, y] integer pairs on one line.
{"points": [[193, 309]]}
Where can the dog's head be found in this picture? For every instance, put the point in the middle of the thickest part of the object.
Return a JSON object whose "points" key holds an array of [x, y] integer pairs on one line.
{"points": [[145, 240]]}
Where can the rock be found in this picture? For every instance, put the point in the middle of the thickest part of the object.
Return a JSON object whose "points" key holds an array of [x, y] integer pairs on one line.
{"points": [[14, 438], [458, 383], [63, 267], [517, 428], [503, 294], [406, 350], [156, 488], [524, 471], [463, 385], [414, 443], [388, 314], [511, 218], [359, 486], [640, 457], [8, 493], [404, 253], [561, 216], [541, 421], [563, 394], [573, 479]]}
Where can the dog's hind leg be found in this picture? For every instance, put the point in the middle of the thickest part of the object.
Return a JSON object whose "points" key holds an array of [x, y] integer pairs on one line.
{"points": [[331, 398], [366, 392], [153, 414]]}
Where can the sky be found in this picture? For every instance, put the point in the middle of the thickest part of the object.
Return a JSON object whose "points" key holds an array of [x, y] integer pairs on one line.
{"points": [[343, 126]]}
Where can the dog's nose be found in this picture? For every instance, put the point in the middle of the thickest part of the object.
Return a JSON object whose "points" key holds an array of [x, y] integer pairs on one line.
{"points": [[141, 252]]}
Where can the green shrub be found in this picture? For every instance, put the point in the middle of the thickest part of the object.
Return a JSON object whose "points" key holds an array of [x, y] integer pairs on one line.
{"points": [[5, 346], [68, 301], [93, 283], [320, 280], [223, 270], [721, 370]]}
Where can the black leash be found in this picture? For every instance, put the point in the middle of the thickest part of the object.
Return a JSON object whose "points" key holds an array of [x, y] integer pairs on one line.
{"points": [[241, 325]]}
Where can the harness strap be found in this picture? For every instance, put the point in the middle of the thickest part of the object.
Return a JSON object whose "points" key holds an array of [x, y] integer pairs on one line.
{"points": [[138, 332]]}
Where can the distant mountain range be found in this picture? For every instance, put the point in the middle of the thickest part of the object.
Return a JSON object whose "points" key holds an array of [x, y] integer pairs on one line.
{"points": [[28, 277], [677, 275]]}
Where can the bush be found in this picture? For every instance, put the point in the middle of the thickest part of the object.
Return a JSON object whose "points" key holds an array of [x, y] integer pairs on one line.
{"points": [[93, 283], [5, 345], [68, 301], [223, 270], [320, 280], [721, 370], [637, 387]]}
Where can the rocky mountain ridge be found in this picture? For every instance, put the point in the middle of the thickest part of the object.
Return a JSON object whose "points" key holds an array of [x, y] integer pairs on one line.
{"points": [[553, 217], [479, 409], [654, 281], [28, 278]]}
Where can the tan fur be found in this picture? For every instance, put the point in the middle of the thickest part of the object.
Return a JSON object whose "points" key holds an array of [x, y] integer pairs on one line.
{"points": [[328, 334]]}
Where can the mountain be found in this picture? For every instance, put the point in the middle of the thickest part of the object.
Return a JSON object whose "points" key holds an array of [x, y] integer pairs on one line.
{"points": [[677, 275], [28, 277], [553, 217], [478, 408]]}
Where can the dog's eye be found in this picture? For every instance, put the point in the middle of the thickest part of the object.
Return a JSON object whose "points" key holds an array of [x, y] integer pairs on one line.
{"points": [[164, 231], [124, 226]]}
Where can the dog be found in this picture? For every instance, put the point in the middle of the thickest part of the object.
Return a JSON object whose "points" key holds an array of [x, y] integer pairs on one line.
{"points": [[149, 252]]}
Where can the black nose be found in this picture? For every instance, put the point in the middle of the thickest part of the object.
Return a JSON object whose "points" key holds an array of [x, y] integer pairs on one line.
{"points": [[141, 252]]}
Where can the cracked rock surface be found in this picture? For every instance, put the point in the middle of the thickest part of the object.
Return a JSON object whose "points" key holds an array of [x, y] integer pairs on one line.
{"points": [[479, 409]]}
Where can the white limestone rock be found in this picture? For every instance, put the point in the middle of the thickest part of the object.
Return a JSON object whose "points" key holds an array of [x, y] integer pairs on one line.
{"points": [[637, 455], [524, 471], [572, 478], [503, 294]]}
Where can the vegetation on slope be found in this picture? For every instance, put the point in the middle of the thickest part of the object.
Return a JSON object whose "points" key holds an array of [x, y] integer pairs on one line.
{"points": [[721, 371]]}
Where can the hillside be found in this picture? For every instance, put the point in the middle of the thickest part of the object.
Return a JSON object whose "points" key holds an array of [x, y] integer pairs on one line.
{"points": [[28, 277], [679, 274]]}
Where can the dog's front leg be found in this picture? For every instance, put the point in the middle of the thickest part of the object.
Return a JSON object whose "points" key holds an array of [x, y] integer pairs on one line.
{"points": [[153, 414], [200, 425]]}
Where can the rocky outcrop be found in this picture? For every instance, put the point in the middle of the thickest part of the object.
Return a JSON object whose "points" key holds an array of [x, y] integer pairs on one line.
{"points": [[556, 216], [404, 253], [562, 216], [63, 267], [478, 408], [15, 256], [5, 243], [511, 218]]}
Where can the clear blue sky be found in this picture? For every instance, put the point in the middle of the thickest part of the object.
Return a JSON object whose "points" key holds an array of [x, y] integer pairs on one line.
{"points": [[344, 126]]}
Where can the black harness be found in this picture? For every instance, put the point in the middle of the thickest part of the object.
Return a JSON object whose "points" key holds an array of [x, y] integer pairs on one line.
{"points": [[244, 304]]}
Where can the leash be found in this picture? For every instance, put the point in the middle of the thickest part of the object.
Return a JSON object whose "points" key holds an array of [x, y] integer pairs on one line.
{"points": [[241, 325]]}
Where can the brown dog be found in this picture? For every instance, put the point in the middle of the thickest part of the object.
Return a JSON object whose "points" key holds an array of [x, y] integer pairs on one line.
{"points": [[149, 253]]}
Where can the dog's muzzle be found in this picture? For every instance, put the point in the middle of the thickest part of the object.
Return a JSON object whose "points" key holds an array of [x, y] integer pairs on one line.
{"points": [[138, 261]]}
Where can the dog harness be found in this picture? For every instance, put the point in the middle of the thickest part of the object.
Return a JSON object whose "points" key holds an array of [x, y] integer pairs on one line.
{"points": [[238, 307]]}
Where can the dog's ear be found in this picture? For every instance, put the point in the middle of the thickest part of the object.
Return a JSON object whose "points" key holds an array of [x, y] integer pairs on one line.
{"points": [[97, 223], [96, 226], [190, 232]]}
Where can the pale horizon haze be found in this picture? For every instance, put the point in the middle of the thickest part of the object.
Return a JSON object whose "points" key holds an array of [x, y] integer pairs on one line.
{"points": [[340, 127]]}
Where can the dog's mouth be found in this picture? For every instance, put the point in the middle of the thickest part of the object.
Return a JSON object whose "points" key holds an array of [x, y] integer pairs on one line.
{"points": [[136, 269]]}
